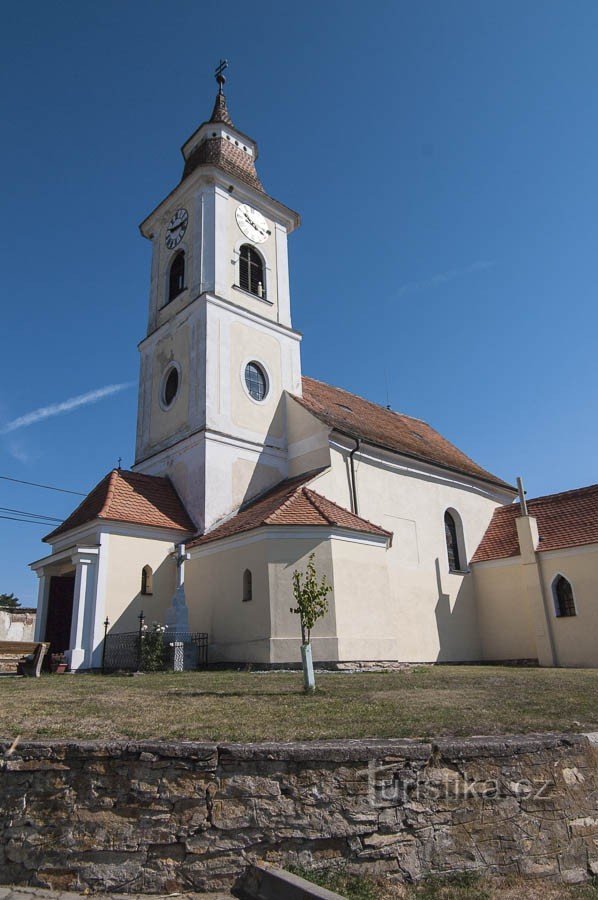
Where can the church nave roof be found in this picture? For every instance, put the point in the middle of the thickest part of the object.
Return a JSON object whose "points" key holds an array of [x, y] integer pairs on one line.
{"points": [[374, 424]]}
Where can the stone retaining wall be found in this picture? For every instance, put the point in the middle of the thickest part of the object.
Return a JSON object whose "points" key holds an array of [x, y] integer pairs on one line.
{"points": [[189, 816]]}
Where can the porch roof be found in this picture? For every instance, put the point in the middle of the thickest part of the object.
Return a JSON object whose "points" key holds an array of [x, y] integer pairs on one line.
{"points": [[125, 496]]}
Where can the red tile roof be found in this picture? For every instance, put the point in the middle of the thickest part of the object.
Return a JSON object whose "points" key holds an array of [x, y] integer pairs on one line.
{"points": [[124, 496], [565, 520], [290, 503], [385, 428]]}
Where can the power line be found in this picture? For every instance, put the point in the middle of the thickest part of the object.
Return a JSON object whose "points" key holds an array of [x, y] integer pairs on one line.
{"points": [[48, 487], [31, 521], [23, 512]]}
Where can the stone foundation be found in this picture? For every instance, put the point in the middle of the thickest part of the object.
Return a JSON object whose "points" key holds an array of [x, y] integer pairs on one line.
{"points": [[164, 817]]}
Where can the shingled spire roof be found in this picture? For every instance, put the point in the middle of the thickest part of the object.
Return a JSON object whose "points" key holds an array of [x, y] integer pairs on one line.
{"points": [[220, 112], [219, 143]]}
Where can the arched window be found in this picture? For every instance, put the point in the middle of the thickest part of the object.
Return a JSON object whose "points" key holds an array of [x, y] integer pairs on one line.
{"points": [[176, 278], [562, 592], [452, 542], [251, 271], [247, 586], [147, 580]]}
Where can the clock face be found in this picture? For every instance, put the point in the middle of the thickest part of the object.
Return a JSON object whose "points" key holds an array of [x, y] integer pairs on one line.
{"points": [[176, 228], [252, 224]]}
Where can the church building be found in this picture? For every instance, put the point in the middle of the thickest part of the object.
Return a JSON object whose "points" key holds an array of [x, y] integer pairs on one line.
{"points": [[245, 466]]}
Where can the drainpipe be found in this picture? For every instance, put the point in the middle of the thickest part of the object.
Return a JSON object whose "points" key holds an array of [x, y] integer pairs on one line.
{"points": [[354, 506]]}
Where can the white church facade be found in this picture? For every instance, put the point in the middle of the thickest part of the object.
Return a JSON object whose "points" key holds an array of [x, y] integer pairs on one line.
{"points": [[253, 466]]}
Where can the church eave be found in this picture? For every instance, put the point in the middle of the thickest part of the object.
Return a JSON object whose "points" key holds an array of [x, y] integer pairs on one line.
{"points": [[444, 467], [194, 139], [289, 217]]}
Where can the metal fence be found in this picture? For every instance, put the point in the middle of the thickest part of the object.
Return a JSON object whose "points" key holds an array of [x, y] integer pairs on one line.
{"points": [[132, 652]]}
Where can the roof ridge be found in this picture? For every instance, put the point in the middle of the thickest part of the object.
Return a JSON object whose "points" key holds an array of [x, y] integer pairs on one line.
{"points": [[313, 497], [344, 509], [103, 512], [284, 505], [546, 497]]}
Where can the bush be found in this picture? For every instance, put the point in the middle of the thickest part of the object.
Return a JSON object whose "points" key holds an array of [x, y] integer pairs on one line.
{"points": [[152, 648]]}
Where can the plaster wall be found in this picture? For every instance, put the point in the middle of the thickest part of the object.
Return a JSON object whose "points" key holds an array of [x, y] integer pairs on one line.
{"points": [[506, 626], [367, 617], [263, 629], [506, 622], [238, 631], [126, 557], [17, 626], [435, 609], [576, 637]]}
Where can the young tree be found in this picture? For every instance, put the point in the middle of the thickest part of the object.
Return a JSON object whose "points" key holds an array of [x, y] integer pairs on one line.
{"points": [[9, 601], [310, 596]]}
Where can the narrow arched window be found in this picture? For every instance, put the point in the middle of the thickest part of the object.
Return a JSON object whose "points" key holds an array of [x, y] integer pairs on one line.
{"points": [[562, 591], [452, 542], [247, 586], [176, 277], [251, 271], [147, 580]]}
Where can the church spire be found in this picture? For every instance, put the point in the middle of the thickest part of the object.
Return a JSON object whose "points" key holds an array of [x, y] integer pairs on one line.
{"points": [[220, 112], [219, 143]]}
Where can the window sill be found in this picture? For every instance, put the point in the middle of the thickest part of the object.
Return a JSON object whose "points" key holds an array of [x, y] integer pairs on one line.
{"points": [[176, 297], [459, 571], [253, 296]]}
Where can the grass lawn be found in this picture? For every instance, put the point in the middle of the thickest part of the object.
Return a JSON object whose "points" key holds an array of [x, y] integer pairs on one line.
{"points": [[461, 887], [427, 701]]}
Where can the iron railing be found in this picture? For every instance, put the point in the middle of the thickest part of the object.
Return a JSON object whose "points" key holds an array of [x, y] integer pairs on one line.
{"points": [[179, 651]]}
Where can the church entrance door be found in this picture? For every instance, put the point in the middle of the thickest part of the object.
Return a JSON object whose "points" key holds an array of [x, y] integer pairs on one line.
{"points": [[60, 613]]}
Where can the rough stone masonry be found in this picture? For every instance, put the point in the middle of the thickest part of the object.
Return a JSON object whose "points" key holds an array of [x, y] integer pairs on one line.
{"points": [[163, 817]]}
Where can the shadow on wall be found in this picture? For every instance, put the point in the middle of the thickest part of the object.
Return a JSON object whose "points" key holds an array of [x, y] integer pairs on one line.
{"points": [[265, 475], [153, 605], [458, 636]]}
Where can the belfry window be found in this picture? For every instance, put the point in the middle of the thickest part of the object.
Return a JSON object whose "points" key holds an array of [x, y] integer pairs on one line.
{"points": [[147, 580], [176, 277], [251, 271], [452, 542], [562, 592], [247, 586]]}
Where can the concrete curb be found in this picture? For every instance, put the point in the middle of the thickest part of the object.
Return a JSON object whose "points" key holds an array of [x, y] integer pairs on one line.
{"points": [[269, 883]]}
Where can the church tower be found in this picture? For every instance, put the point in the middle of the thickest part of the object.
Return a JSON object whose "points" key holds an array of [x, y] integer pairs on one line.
{"points": [[220, 350]]}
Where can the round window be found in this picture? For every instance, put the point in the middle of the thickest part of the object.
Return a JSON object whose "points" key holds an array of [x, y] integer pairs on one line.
{"points": [[171, 387], [256, 381]]}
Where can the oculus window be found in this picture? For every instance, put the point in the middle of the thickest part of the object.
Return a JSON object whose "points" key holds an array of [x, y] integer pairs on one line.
{"points": [[256, 381], [170, 386]]}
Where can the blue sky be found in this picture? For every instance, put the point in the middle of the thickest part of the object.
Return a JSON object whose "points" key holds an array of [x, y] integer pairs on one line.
{"points": [[442, 156]]}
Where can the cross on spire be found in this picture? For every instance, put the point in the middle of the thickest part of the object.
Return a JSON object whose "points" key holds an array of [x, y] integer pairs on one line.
{"points": [[219, 74]]}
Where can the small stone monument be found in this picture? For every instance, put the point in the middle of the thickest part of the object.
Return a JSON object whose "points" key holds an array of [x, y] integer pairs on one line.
{"points": [[177, 620]]}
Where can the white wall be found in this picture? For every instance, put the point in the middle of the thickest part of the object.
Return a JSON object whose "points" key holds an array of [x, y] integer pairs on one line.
{"points": [[435, 610], [16, 626]]}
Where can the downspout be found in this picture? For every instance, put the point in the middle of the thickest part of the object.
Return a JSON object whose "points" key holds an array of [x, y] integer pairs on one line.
{"points": [[354, 505]]}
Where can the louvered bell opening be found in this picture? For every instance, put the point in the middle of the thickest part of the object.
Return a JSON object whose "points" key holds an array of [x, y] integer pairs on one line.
{"points": [[251, 272]]}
